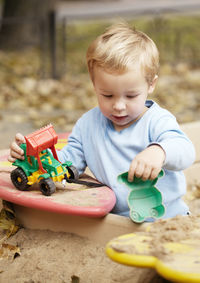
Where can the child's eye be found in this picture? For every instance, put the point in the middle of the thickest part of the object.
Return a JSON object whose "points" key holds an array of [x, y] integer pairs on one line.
{"points": [[132, 96], [107, 95]]}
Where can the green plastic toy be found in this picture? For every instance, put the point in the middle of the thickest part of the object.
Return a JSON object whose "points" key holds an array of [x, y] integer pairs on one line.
{"points": [[41, 165], [27, 172], [144, 199]]}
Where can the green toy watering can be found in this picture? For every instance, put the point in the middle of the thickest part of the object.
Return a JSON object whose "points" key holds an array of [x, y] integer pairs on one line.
{"points": [[144, 199]]}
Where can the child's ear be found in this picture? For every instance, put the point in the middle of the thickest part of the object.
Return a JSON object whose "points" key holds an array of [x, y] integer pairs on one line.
{"points": [[152, 85]]}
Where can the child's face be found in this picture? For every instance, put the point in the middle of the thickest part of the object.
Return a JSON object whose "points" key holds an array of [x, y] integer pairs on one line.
{"points": [[121, 97]]}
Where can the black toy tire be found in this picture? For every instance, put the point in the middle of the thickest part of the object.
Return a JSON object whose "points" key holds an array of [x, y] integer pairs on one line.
{"points": [[47, 187], [19, 179], [73, 172]]}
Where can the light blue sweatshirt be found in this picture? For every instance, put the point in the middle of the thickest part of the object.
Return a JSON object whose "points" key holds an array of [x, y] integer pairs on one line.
{"points": [[95, 143]]}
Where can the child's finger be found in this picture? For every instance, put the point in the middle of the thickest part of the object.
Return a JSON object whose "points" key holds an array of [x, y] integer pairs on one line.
{"points": [[15, 148], [154, 173], [11, 159], [147, 173], [20, 138], [131, 171], [136, 169], [16, 155], [139, 170]]}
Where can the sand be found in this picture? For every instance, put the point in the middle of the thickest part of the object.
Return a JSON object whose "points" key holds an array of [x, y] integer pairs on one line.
{"points": [[158, 235], [61, 257], [47, 256]]}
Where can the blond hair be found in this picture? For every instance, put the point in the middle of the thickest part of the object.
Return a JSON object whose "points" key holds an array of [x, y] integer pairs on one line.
{"points": [[120, 47]]}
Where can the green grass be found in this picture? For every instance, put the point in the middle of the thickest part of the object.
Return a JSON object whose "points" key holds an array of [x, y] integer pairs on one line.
{"points": [[177, 38]]}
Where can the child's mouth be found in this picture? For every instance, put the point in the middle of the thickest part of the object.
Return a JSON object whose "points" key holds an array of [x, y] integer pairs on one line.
{"points": [[119, 118]]}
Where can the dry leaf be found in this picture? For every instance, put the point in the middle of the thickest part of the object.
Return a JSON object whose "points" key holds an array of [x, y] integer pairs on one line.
{"points": [[9, 252], [27, 98], [8, 222]]}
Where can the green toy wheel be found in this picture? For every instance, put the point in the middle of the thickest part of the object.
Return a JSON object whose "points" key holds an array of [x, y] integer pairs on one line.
{"points": [[157, 211], [47, 187], [73, 172], [154, 213], [19, 179], [135, 216]]}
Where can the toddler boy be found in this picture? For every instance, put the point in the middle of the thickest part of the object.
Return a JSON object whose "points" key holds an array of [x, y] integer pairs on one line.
{"points": [[127, 132]]}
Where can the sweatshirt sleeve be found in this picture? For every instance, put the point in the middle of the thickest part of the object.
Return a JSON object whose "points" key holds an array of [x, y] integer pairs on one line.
{"points": [[73, 151], [179, 150]]}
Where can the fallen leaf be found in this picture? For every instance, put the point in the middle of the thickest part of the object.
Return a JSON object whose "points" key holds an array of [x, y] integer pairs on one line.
{"points": [[9, 252], [8, 221]]}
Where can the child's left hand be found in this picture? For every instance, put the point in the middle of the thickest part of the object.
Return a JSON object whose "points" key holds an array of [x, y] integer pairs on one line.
{"points": [[147, 164]]}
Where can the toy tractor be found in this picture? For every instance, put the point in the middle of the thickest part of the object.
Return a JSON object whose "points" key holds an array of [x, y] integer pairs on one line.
{"points": [[41, 165]]}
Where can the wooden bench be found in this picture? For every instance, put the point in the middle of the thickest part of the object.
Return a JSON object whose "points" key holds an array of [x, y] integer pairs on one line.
{"points": [[83, 9], [68, 11], [101, 230]]}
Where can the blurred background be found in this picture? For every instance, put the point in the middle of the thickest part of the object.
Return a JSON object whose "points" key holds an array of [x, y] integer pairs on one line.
{"points": [[43, 73]]}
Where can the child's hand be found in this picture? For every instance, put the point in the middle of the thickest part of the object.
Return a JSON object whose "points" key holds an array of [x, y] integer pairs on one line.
{"points": [[147, 164], [15, 151]]}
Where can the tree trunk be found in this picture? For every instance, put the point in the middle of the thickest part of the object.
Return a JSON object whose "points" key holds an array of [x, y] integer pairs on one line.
{"points": [[23, 21]]}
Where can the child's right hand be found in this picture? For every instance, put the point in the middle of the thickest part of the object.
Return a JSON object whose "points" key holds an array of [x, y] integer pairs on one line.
{"points": [[15, 151]]}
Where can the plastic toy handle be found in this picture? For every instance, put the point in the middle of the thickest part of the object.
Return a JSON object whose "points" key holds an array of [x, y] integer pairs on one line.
{"points": [[123, 178]]}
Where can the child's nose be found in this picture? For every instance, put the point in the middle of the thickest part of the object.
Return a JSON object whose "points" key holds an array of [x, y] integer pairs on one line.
{"points": [[119, 105]]}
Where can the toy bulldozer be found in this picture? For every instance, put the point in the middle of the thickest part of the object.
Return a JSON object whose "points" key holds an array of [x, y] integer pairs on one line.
{"points": [[40, 165]]}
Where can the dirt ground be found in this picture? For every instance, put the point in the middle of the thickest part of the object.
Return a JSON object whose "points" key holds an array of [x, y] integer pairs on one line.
{"points": [[60, 257], [46, 256]]}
